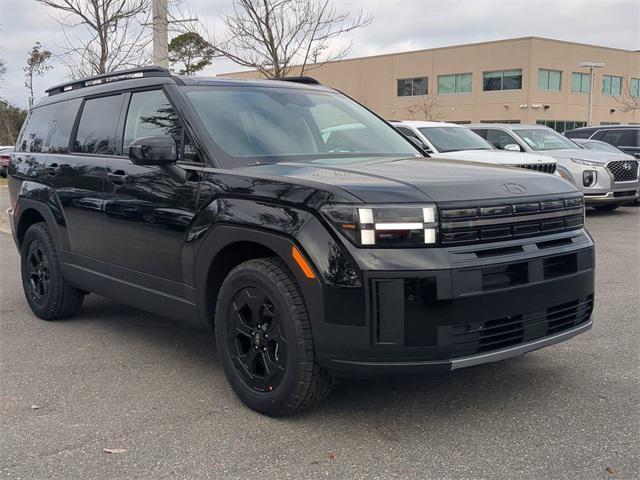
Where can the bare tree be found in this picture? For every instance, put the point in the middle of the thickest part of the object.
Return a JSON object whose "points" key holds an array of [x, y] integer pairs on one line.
{"points": [[37, 64], [276, 36], [112, 36], [629, 101], [427, 107]]}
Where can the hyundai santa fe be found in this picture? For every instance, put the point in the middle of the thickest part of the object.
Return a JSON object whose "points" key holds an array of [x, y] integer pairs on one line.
{"points": [[314, 251]]}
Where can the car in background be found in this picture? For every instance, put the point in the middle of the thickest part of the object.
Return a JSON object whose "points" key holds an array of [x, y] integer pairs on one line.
{"points": [[450, 140], [624, 137], [606, 179], [598, 145], [5, 156]]}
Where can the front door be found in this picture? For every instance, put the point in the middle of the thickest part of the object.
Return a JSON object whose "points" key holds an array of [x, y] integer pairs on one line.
{"points": [[148, 210]]}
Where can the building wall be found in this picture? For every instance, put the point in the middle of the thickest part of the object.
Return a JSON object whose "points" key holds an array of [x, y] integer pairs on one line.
{"points": [[373, 81]]}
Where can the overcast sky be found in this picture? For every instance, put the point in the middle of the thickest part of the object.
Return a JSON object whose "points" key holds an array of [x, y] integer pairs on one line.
{"points": [[398, 25]]}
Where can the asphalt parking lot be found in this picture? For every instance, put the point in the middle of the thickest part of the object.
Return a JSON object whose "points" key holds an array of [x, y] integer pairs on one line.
{"points": [[118, 378]]}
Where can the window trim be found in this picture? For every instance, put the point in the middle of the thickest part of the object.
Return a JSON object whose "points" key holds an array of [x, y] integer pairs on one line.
{"points": [[454, 75], [426, 77], [549, 70], [502, 89], [582, 75], [609, 94]]}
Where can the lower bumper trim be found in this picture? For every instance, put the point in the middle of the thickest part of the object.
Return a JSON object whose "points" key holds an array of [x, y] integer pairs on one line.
{"points": [[381, 368], [516, 350]]}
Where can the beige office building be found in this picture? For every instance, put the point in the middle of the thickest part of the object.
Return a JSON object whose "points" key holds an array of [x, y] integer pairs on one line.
{"points": [[522, 80]]}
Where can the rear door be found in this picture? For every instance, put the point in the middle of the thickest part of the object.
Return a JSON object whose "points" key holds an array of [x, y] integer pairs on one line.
{"points": [[148, 209], [81, 174]]}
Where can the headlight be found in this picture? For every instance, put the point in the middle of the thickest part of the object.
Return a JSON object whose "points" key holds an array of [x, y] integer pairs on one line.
{"points": [[586, 162], [385, 225]]}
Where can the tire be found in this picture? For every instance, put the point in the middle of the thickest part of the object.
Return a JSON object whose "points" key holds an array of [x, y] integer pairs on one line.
{"points": [[48, 294], [606, 208], [264, 340]]}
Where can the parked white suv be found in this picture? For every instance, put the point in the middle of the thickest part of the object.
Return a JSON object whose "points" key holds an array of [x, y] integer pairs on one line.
{"points": [[450, 140], [606, 179]]}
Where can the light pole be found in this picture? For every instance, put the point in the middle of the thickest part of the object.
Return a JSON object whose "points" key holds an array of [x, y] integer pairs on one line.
{"points": [[160, 36], [590, 66]]}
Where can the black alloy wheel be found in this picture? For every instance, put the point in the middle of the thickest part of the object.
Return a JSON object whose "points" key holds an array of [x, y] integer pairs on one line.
{"points": [[48, 293], [264, 339], [257, 342]]}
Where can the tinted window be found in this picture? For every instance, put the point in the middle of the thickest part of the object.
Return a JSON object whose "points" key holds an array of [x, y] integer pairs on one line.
{"points": [[62, 125], [580, 82], [502, 80], [549, 80], [619, 138], [408, 87], [37, 130], [500, 139], [149, 114], [276, 124], [98, 125]]}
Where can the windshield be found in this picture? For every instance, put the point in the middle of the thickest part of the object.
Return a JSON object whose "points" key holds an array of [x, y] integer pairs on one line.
{"points": [[544, 139], [255, 125], [454, 139]]}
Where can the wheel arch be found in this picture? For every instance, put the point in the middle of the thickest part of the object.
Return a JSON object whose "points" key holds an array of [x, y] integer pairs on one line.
{"points": [[227, 246]]}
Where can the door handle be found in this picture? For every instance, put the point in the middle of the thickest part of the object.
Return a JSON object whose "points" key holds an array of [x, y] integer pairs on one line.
{"points": [[52, 169], [119, 177]]}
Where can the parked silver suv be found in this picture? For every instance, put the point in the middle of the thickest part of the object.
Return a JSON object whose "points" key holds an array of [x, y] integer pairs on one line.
{"points": [[606, 179]]}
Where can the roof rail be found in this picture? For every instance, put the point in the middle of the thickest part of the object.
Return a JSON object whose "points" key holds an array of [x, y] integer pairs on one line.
{"points": [[150, 71], [305, 80]]}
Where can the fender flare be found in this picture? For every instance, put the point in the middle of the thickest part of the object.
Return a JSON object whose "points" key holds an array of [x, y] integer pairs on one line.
{"points": [[42, 199], [222, 236]]}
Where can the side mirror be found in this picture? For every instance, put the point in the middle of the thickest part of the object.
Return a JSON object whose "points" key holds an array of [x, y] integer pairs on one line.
{"points": [[420, 144], [512, 147], [158, 150]]}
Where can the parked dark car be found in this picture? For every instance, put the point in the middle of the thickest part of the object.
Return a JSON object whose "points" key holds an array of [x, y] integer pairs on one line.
{"points": [[5, 155], [598, 145], [623, 137], [222, 203]]}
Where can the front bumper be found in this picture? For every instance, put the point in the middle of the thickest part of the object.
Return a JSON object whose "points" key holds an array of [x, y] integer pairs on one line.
{"points": [[477, 305]]}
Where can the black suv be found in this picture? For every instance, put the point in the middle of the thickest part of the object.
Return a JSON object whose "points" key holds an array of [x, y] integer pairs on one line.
{"points": [[316, 239], [623, 137]]}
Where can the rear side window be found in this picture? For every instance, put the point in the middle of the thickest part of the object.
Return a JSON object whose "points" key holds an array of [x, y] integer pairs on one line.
{"points": [[98, 125], [37, 129], [62, 125], [579, 134], [619, 138]]}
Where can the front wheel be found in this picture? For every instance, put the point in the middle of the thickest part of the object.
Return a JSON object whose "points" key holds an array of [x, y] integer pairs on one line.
{"points": [[264, 340], [610, 207]]}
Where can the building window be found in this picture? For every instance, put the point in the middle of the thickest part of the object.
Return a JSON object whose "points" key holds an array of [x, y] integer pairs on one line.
{"points": [[562, 125], [609, 123], [502, 80], [634, 87], [410, 87], [457, 83], [549, 80], [611, 85], [580, 82]]}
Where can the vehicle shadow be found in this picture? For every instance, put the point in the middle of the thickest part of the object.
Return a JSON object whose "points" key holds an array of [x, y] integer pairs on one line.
{"points": [[475, 392], [619, 212]]}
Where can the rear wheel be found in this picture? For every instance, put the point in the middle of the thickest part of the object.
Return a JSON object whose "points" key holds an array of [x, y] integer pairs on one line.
{"points": [[48, 294], [610, 207], [264, 339]]}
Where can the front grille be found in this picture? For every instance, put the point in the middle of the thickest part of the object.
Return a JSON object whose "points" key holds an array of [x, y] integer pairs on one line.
{"points": [[540, 167], [624, 171], [463, 224], [474, 338]]}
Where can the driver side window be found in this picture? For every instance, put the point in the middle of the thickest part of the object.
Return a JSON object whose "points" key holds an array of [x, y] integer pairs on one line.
{"points": [[150, 113], [500, 139]]}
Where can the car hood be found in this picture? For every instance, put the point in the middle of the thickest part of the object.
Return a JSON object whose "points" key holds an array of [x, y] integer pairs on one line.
{"points": [[496, 157], [420, 179], [585, 154]]}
